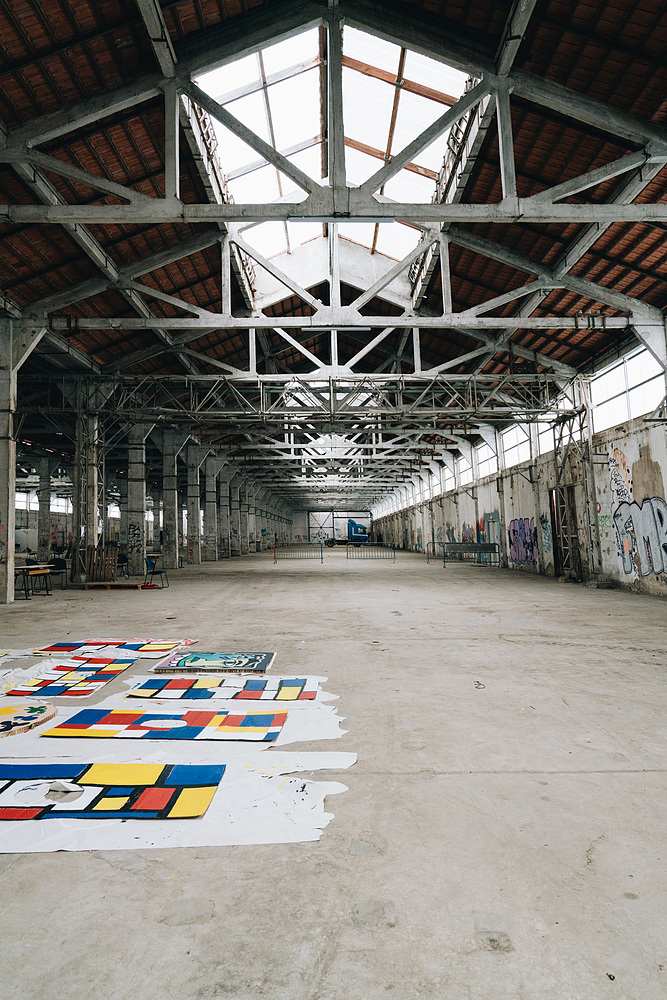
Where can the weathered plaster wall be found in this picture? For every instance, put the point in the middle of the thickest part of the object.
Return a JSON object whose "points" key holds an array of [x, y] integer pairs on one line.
{"points": [[631, 481], [628, 510]]}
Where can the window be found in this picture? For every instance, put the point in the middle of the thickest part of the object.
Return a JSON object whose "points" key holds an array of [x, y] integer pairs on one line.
{"points": [[545, 439], [516, 445], [628, 388], [487, 461], [465, 471]]}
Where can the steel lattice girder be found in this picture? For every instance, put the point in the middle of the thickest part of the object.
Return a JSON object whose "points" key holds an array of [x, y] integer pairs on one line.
{"points": [[204, 400]]}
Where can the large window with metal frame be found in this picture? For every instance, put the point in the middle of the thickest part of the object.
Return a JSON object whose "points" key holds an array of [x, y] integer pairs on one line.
{"points": [[627, 388]]}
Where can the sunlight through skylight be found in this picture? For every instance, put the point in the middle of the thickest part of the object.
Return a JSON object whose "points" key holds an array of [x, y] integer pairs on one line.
{"points": [[390, 96]]}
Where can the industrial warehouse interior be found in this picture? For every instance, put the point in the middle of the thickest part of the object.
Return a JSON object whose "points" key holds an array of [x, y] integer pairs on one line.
{"points": [[333, 359]]}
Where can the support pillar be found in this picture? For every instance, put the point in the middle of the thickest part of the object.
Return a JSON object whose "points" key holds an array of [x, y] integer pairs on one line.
{"points": [[224, 520], [7, 463], [210, 551], [136, 499], [194, 461], [122, 507], [172, 445], [91, 451], [44, 512], [243, 519], [235, 516], [14, 349], [252, 520]]}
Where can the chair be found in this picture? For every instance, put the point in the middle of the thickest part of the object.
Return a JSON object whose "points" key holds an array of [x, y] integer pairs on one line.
{"points": [[40, 579], [59, 568], [151, 570], [122, 565]]}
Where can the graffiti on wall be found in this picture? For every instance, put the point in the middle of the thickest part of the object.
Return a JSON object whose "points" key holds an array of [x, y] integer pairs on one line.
{"points": [[481, 530], [620, 478], [522, 536], [547, 540], [642, 536], [641, 529], [467, 532]]}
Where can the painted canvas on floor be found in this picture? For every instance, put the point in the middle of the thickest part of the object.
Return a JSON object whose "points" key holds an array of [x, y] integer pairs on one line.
{"points": [[65, 680], [110, 648], [16, 719], [227, 688], [193, 725], [37, 791], [216, 663]]}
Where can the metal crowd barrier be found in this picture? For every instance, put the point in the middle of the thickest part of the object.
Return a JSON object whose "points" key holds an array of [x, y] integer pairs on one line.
{"points": [[372, 552], [472, 552], [298, 550]]}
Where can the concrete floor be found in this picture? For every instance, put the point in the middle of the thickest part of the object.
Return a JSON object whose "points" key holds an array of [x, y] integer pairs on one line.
{"points": [[503, 837]]}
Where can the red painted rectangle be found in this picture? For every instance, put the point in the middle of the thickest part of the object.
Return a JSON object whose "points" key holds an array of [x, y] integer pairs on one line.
{"points": [[29, 813], [154, 798], [249, 695], [180, 682], [198, 718], [232, 720], [119, 718]]}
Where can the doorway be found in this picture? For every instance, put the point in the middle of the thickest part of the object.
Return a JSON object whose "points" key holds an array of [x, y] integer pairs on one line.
{"points": [[567, 557]]}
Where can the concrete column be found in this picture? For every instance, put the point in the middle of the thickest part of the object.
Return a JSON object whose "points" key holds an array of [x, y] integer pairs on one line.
{"points": [[223, 515], [235, 516], [260, 518], [194, 459], [172, 445], [91, 458], [44, 513], [136, 499], [252, 520], [210, 548], [122, 506], [14, 349], [7, 463], [78, 563], [243, 519]]}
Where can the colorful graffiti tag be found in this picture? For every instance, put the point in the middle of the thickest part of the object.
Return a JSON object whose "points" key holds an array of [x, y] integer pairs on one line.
{"points": [[547, 541], [522, 536], [642, 536]]}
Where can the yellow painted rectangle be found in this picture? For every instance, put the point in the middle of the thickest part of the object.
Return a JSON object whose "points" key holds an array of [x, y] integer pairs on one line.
{"points": [[122, 774], [192, 802], [288, 694], [78, 733], [111, 803]]}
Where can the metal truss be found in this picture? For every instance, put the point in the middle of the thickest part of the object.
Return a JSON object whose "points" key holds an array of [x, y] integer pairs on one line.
{"points": [[286, 401], [335, 200]]}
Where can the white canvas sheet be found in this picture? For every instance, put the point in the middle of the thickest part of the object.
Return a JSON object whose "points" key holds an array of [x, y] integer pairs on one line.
{"points": [[232, 683], [312, 721], [254, 804]]}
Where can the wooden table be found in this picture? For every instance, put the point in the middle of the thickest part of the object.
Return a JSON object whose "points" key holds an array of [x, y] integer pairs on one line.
{"points": [[40, 569]]}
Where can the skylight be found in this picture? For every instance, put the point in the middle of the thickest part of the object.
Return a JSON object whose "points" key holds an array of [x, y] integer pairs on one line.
{"points": [[390, 95]]}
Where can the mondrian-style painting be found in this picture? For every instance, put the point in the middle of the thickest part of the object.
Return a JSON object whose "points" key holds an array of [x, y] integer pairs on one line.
{"points": [[194, 725], [16, 719], [89, 649], [227, 688], [216, 663], [107, 791], [69, 681]]}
